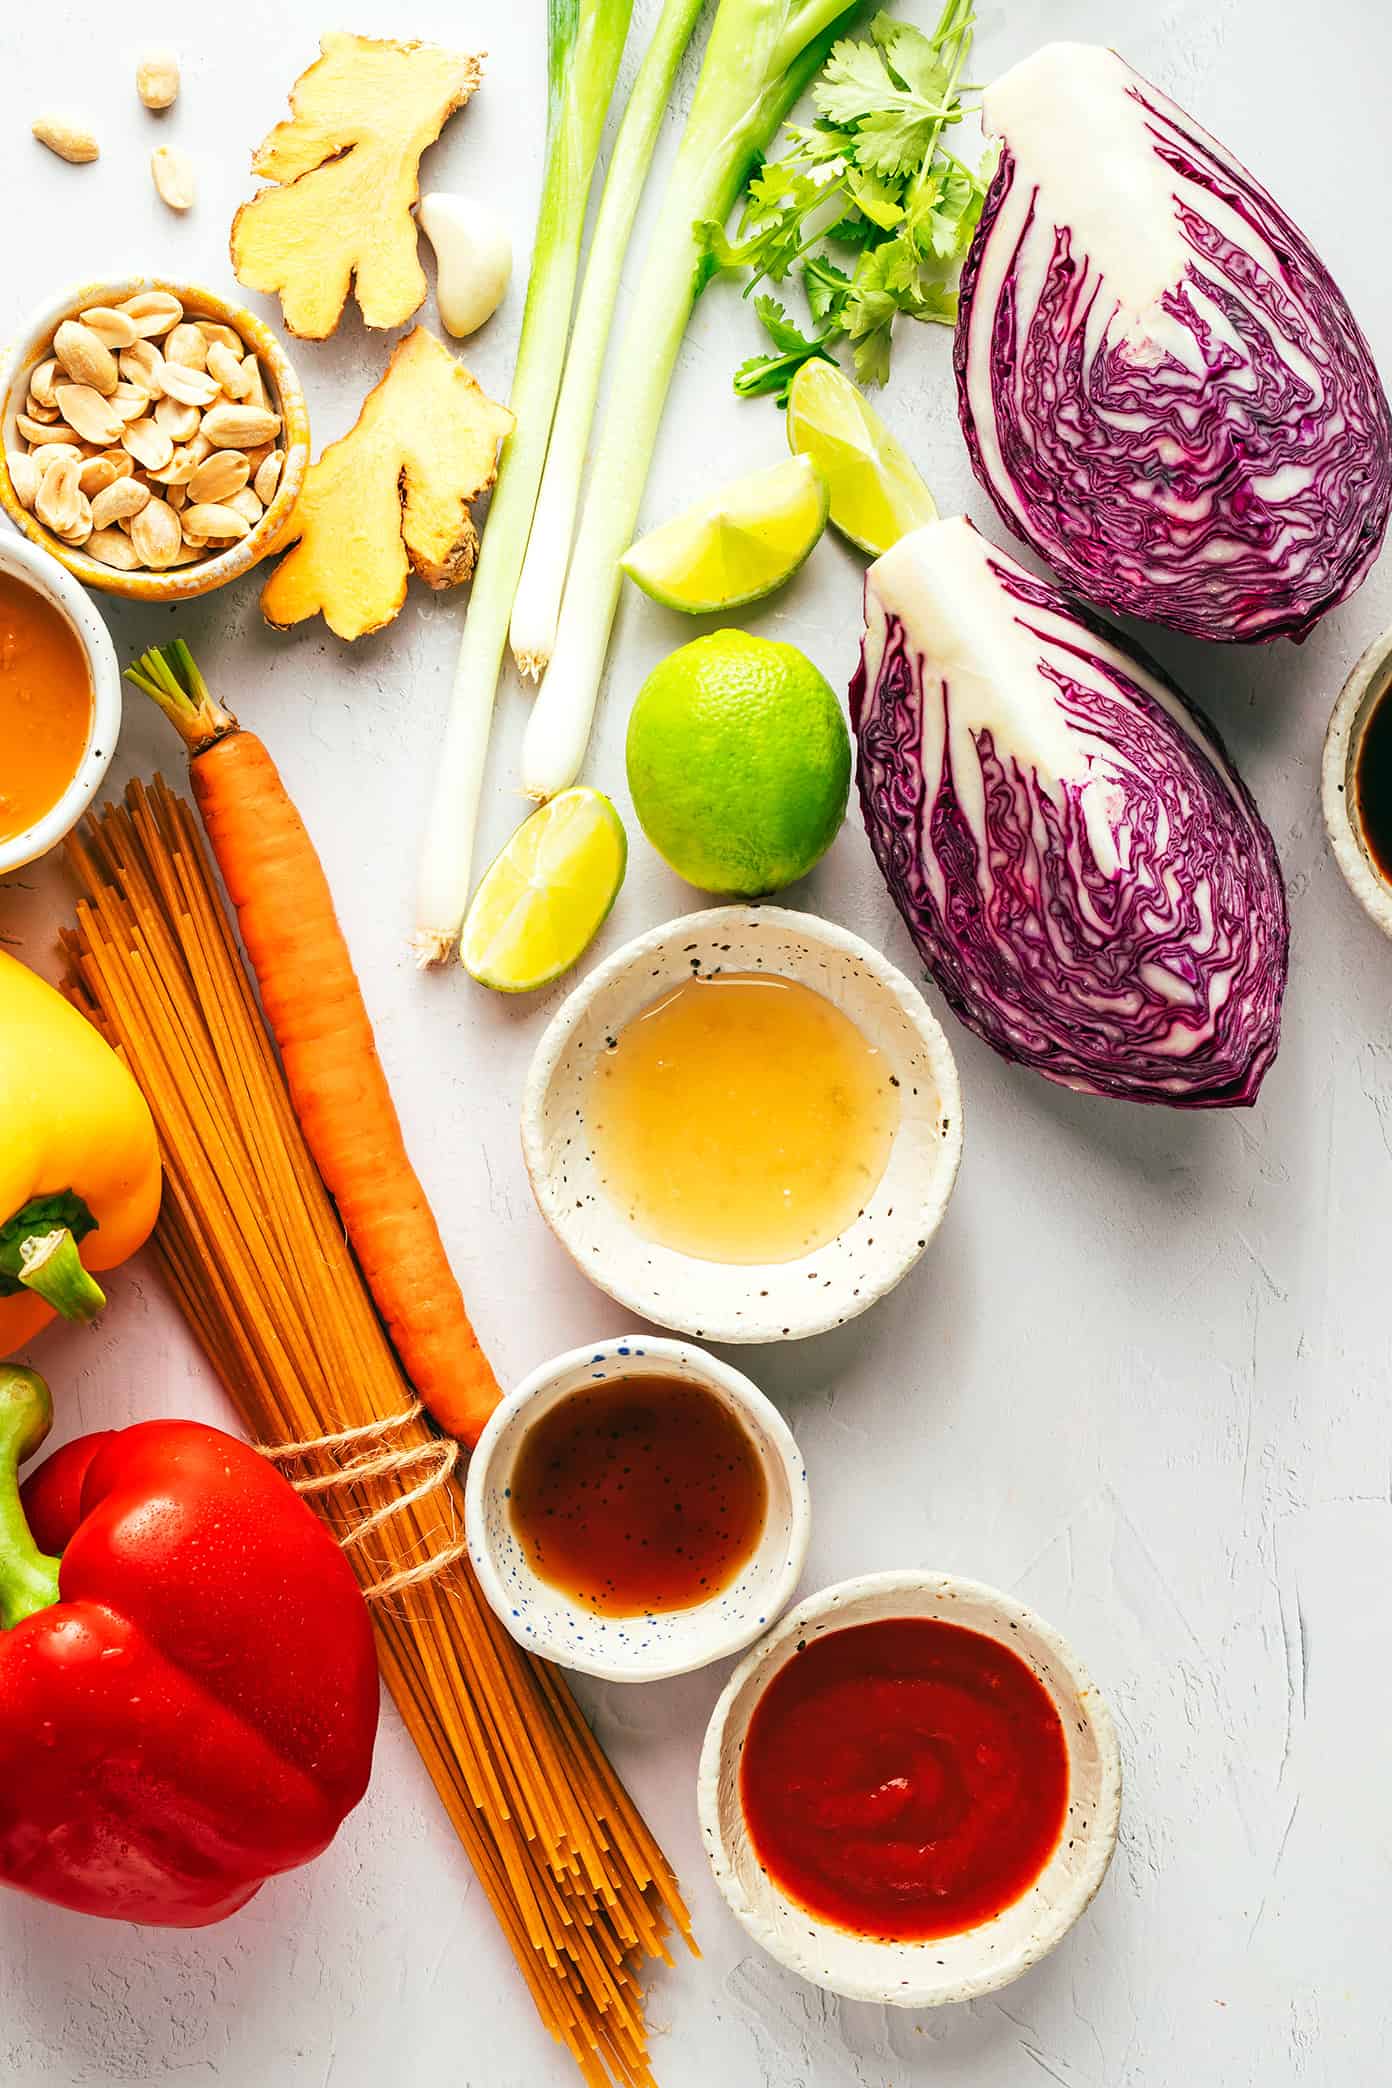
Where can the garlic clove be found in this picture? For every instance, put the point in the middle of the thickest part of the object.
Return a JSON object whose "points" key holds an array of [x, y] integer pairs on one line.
{"points": [[473, 259]]}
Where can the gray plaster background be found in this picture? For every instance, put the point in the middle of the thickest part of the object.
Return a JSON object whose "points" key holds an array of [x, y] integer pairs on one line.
{"points": [[1142, 1378]]}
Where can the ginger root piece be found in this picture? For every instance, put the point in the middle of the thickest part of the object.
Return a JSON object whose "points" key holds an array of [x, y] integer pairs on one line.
{"points": [[392, 493], [348, 162]]}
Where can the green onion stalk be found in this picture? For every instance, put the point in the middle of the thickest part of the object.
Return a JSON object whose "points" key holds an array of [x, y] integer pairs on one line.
{"points": [[585, 41], [760, 56], [537, 607]]}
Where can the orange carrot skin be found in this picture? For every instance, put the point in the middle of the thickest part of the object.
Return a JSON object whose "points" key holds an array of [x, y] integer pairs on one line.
{"points": [[314, 1005]]}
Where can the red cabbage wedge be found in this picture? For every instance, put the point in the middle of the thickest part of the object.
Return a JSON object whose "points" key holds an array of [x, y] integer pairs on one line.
{"points": [[1161, 388], [1083, 871]]}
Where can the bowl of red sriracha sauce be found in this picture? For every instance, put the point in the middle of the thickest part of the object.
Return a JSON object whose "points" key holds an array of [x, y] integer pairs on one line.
{"points": [[910, 1789]]}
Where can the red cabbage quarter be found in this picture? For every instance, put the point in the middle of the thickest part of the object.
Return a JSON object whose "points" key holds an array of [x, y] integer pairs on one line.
{"points": [[1162, 391], [1084, 872]]}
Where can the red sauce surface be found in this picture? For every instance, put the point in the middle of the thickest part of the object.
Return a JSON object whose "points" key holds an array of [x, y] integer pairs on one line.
{"points": [[905, 1779], [639, 1494]]}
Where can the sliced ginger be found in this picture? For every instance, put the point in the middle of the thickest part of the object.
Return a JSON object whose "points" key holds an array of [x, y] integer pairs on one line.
{"points": [[391, 494], [348, 164]]}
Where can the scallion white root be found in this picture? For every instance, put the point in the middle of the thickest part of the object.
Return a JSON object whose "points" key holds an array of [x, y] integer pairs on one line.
{"points": [[585, 40]]}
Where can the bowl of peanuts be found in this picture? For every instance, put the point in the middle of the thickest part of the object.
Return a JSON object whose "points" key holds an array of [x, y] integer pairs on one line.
{"points": [[155, 437]]}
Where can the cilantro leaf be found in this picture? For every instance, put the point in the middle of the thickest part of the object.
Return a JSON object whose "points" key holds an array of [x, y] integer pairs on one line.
{"points": [[762, 374], [872, 178], [826, 286], [896, 90]]}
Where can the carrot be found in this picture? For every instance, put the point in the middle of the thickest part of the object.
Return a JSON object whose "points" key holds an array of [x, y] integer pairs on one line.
{"points": [[314, 1006]]}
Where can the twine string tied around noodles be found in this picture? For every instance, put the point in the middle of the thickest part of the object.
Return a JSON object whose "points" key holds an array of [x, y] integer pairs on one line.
{"points": [[373, 1455]]}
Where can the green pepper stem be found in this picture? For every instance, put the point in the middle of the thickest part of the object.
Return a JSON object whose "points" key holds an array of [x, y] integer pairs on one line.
{"points": [[28, 1577], [51, 1266]]}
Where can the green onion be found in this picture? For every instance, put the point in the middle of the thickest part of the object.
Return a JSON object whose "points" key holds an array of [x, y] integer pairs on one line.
{"points": [[760, 56], [585, 40], [538, 604]]}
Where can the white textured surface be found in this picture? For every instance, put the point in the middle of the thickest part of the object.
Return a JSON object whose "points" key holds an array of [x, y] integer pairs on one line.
{"points": [[1141, 1380]]}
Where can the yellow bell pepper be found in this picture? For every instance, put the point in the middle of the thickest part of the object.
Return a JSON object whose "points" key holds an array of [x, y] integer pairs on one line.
{"points": [[79, 1162]]}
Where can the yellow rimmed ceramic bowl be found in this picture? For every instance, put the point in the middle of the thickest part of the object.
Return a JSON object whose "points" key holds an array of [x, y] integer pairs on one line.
{"points": [[179, 583]]}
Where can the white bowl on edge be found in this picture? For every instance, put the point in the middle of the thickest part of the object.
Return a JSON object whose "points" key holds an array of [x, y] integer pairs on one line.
{"points": [[767, 1301], [945, 1968], [34, 568], [649, 1648], [1365, 688]]}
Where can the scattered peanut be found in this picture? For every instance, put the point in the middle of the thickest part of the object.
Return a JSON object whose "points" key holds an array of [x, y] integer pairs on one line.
{"points": [[247, 506], [113, 548], [239, 427], [157, 79], [172, 173], [84, 358], [71, 137], [214, 520], [95, 476], [268, 477], [187, 344], [148, 444], [50, 453], [87, 411], [153, 312], [254, 385], [221, 475], [129, 401], [112, 328], [123, 497], [57, 501], [24, 476], [34, 432], [228, 369], [142, 364], [155, 534], [41, 381], [189, 387], [219, 336], [176, 419], [149, 437]]}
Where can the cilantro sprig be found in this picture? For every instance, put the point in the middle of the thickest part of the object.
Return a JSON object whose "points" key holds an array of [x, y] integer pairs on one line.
{"points": [[866, 206]]}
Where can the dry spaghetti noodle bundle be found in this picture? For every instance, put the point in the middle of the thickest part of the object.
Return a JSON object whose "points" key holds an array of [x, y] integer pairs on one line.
{"points": [[256, 1256]]}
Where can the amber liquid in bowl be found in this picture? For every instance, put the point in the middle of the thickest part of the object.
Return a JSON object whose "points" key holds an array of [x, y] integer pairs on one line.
{"points": [[742, 1118], [45, 706], [637, 1495]]}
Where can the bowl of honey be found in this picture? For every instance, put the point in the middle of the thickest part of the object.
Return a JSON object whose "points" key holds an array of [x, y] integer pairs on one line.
{"points": [[636, 1509], [910, 1789], [745, 1125], [60, 703]]}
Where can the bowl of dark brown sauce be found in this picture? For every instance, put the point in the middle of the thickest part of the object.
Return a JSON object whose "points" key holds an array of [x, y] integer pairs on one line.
{"points": [[636, 1509], [1357, 782]]}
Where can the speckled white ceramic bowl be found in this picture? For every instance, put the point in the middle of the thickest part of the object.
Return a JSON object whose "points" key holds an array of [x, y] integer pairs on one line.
{"points": [[543, 1618], [770, 1301], [950, 1968], [1361, 694], [47, 578]]}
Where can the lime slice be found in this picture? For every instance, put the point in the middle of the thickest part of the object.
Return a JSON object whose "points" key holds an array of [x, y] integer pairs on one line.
{"points": [[546, 896], [876, 495], [737, 544]]}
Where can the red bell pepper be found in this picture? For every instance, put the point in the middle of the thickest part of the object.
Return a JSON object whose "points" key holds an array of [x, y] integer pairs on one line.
{"points": [[188, 1696]]}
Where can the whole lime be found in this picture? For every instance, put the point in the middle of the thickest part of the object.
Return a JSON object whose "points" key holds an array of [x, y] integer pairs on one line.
{"points": [[739, 762]]}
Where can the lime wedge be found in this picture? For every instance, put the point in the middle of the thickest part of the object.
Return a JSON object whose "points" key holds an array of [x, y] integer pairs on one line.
{"points": [[876, 495], [546, 896], [737, 544]]}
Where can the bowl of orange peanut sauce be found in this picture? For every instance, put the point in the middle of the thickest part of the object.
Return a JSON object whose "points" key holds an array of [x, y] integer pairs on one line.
{"points": [[60, 702]]}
